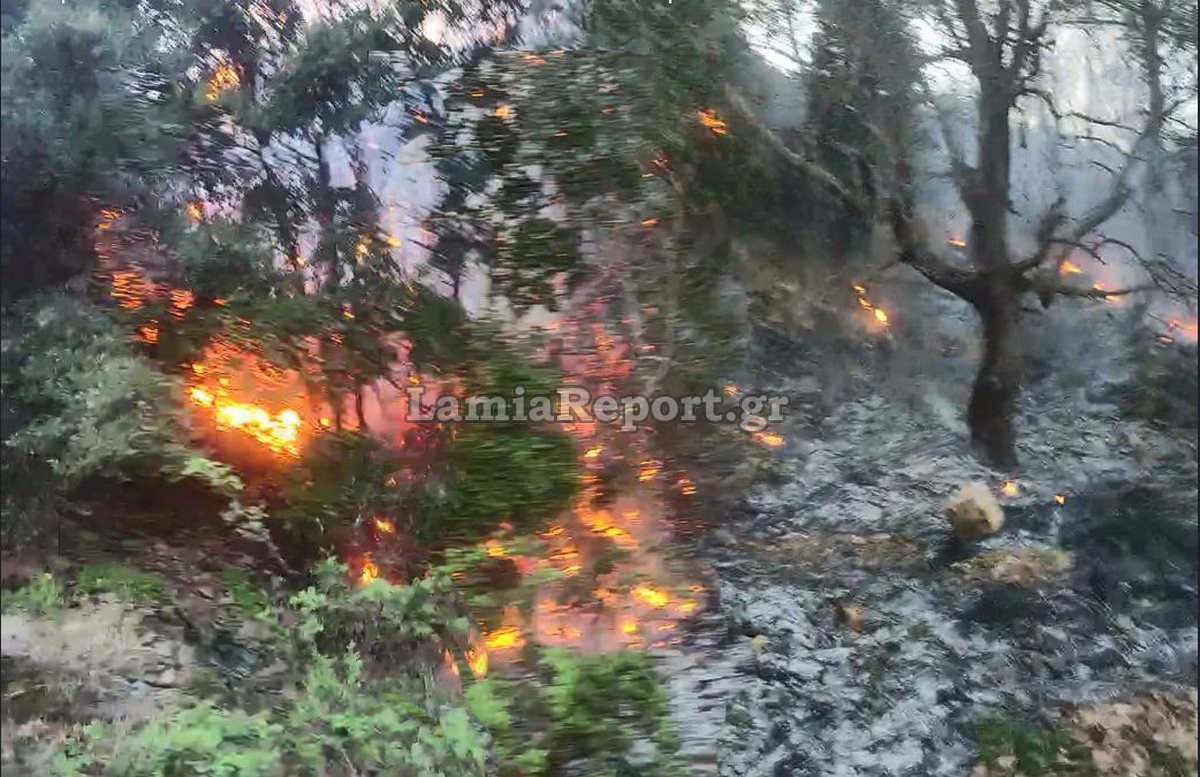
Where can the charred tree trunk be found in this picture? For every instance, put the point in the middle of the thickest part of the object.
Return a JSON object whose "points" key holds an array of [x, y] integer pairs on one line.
{"points": [[991, 413]]}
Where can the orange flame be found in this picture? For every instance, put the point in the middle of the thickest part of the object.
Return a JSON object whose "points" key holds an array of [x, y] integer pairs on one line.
{"points": [[1011, 488], [225, 77], [714, 123], [770, 439], [369, 571], [1070, 268]]}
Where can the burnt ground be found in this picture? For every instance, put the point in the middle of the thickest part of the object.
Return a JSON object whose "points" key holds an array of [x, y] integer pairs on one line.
{"points": [[879, 645]]}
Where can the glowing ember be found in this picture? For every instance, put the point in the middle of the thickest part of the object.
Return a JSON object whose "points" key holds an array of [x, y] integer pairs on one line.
{"points": [[649, 471], [686, 486], [495, 549], [181, 300], [225, 77], [651, 596], [195, 212], [712, 121], [880, 315], [1070, 268], [130, 289], [730, 390], [384, 526], [148, 334], [649, 222], [1060, 499], [958, 242], [1187, 329], [594, 452], [1011, 488], [770, 439]]}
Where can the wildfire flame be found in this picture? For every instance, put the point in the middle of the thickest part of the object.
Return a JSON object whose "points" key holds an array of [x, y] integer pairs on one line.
{"points": [[1010, 488], [770, 439], [1070, 268], [880, 315], [225, 77], [958, 242], [714, 123]]}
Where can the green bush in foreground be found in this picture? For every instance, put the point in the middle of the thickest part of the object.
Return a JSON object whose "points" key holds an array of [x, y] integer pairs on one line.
{"points": [[337, 723]]}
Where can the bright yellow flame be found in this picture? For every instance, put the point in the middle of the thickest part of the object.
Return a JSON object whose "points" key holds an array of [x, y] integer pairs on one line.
{"points": [[223, 78], [504, 638], [385, 526], [651, 596], [881, 316], [770, 439], [594, 452], [369, 571], [1060, 499], [495, 549], [1011, 488], [958, 242], [1070, 268]]}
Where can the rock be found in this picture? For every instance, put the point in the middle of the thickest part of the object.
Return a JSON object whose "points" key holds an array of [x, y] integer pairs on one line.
{"points": [[974, 513], [849, 615]]}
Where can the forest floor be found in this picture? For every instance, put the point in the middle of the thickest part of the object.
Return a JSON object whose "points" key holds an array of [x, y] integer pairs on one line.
{"points": [[1064, 644]]}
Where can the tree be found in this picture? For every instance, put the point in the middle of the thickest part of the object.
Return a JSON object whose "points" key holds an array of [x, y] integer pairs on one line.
{"points": [[1002, 47]]}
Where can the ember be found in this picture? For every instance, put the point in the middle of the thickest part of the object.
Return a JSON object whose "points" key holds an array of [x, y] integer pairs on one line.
{"points": [[880, 315], [1011, 488], [1070, 268], [770, 439]]}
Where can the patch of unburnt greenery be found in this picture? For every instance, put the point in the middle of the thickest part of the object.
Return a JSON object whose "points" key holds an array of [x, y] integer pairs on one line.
{"points": [[579, 709], [1010, 746]]}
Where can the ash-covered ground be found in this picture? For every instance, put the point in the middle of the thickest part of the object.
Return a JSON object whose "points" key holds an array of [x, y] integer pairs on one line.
{"points": [[877, 646]]}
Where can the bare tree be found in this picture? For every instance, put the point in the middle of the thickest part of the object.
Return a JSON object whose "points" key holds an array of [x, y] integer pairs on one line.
{"points": [[1002, 44]]}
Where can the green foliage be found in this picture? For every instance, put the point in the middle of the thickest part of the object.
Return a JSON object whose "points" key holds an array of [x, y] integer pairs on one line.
{"points": [[1036, 750], [247, 598], [87, 119], [338, 722], [90, 406], [500, 473], [125, 582], [42, 596], [581, 707], [389, 623]]}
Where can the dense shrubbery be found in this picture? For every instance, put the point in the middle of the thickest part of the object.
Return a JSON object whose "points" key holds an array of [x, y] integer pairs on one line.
{"points": [[82, 405], [357, 699]]}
